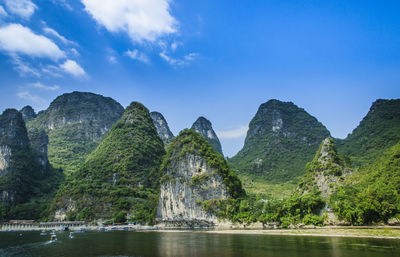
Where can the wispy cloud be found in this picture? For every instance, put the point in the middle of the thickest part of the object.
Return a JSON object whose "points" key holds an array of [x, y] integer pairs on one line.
{"points": [[44, 87], [22, 8], [143, 21], [26, 95], [137, 55], [54, 33], [234, 133], [3, 12], [73, 68], [62, 3], [17, 39], [22, 67], [186, 60]]}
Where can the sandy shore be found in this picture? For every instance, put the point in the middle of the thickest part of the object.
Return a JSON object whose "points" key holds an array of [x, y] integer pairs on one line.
{"points": [[384, 232]]}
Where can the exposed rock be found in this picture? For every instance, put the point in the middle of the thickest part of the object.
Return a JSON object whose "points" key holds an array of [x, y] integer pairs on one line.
{"points": [[162, 127], [15, 159], [39, 141], [281, 139], [28, 113], [204, 128], [75, 124], [326, 171], [192, 174]]}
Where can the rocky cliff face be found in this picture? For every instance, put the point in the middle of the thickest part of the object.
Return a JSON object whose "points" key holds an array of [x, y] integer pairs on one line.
{"points": [[75, 123], [204, 128], [120, 176], [326, 172], [281, 139], [377, 132], [39, 141], [27, 113], [162, 127], [192, 174], [15, 157]]}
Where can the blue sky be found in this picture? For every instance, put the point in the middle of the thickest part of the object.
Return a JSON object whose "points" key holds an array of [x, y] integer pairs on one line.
{"points": [[219, 59]]}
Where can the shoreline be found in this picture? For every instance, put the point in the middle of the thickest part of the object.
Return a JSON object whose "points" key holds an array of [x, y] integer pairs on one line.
{"points": [[377, 232]]}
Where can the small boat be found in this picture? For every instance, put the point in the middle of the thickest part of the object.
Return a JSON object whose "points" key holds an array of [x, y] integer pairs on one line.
{"points": [[43, 233], [53, 237], [71, 235]]}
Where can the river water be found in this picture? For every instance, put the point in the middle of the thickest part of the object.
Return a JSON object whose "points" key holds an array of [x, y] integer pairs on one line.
{"points": [[191, 244]]}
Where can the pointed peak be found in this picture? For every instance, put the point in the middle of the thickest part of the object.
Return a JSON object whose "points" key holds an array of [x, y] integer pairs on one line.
{"points": [[28, 113], [204, 127], [162, 127]]}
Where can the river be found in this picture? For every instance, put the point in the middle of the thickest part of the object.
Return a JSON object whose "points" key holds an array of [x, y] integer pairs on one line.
{"points": [[191, 244]]}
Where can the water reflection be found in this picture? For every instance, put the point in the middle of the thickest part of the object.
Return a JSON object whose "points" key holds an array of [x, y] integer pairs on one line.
{"points": [[168, 244]]}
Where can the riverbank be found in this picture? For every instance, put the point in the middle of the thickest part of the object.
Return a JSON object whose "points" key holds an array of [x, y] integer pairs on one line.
{"points": [[384, 232], [364, 232]]}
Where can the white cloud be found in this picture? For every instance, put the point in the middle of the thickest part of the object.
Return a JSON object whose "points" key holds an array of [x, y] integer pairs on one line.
{"points": [[22, 8], [191, 56], [73, 68], [23, 68], [234, 133], [112, 59], [17, 39], [143, 20], [44, 87], [54, 33], [136, 55], [174, 46], [26, 95], [3, 12], [179, 62], [62, 3]]}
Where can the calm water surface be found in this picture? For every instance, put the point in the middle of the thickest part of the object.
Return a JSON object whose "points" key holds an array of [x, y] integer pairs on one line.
{"points": [[127, 243]]}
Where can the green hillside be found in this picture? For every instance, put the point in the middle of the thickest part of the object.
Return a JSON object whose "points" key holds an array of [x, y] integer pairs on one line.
{"points": [[120, 179]]}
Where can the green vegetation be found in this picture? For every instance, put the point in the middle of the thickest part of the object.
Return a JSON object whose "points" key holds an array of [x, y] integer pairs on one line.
{"points": [[25, 188], [121, 175], [190, 142], [372, 194], [281, 139], [376, 133], [75, 123]]}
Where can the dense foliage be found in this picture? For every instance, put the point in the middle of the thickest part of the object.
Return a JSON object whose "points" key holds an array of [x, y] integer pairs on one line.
{"points": [[281, 139], [376, 133], [121, 175], [76, 123], [24, 186], [373, 193]]}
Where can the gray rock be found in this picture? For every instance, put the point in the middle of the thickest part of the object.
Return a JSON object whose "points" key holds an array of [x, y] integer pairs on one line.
{"points": [[204, 128], [162, 127], [28, 113]]}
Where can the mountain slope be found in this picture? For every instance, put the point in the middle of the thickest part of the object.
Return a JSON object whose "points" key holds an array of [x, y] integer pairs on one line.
{"points": [[204, 128], [281, 139], [162, 127], [378, 131], [120, 176], [26, 181], [75, 123], [194, 175], [373, 193]]}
